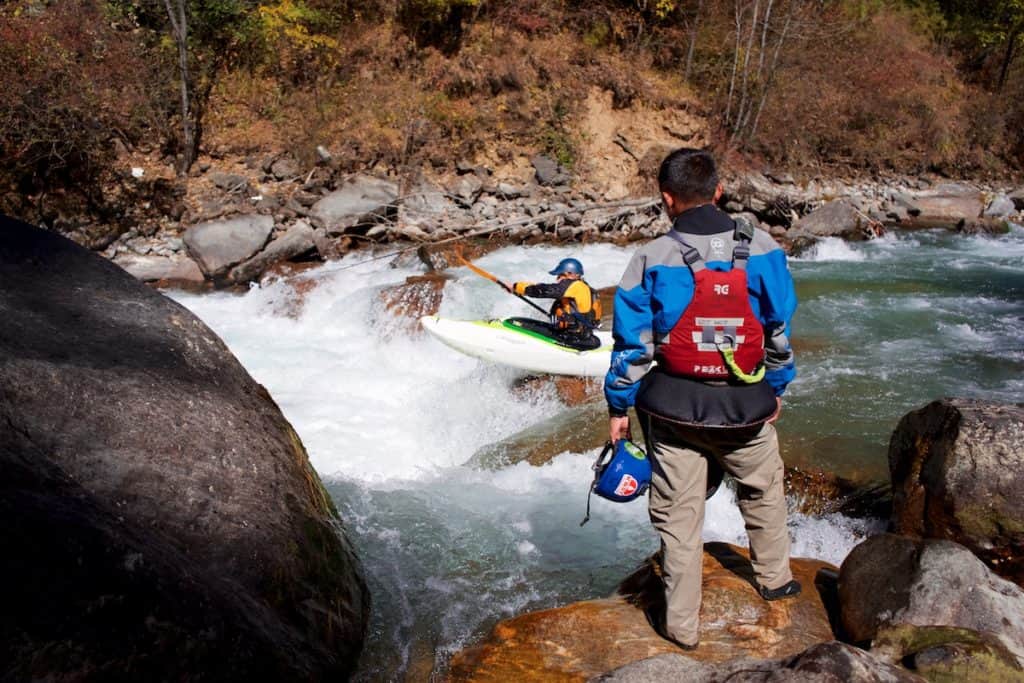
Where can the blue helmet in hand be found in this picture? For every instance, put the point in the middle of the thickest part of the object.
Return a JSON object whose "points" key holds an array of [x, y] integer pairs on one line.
{"points": [[568, 265], [623, 477]]}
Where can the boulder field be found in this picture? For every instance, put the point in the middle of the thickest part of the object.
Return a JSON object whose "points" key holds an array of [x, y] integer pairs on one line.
{"points": [[161, 517]]}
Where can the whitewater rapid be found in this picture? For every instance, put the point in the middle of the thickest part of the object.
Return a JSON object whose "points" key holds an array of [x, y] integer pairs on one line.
{"points": [[389, 418]]}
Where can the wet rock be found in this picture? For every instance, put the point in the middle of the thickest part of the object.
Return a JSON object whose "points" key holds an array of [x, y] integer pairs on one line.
{"points": [[943, 653], [160, 514], [957, 470], [891, 580], [362, 200], [1001, 206], [585, 639], [168, 269], [984, 226], [297, 240], [420, 295], [218, 245], [831, 662], [550, 172], [816, 492], [443, 256], [572, 391], [577, 430]]}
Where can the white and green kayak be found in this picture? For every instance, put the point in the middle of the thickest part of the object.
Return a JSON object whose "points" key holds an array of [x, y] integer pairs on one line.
{"points": [[513, 341]]}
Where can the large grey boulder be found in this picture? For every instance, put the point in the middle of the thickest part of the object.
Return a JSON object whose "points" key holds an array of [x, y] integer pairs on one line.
{"points": [[838, 218], [218, 245], [831, 662], [957, 470], [945, 206], [297, 240], [161, 520], [359, 202], [892, 580], [169, 269]]}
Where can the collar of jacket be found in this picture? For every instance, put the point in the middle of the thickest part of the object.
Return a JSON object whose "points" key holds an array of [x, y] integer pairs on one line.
{"points": [[706, 219]]}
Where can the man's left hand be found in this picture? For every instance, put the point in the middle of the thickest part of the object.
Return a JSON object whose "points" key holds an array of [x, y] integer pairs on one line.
{"points": [[618, 428]]}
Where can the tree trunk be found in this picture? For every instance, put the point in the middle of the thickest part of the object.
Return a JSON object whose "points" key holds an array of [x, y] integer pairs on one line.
{"points": [[179, 28], [693, 40], [735, 62], [1011, 46]]}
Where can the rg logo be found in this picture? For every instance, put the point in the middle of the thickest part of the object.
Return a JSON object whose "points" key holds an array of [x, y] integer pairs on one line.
{"points": [[722, 290]]}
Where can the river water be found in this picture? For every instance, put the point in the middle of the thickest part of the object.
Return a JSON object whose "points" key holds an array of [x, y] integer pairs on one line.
{"points": [[390, 418]]}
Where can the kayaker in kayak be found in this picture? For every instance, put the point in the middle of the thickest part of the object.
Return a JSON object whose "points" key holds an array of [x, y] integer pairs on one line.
{"points": [[576, 312]]}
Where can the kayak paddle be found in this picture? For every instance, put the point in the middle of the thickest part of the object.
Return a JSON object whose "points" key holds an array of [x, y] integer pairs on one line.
{"points": [[493, 278]]}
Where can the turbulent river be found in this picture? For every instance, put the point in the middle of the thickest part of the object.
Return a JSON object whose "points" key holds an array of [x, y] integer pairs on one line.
{"points": [[390, 420]]}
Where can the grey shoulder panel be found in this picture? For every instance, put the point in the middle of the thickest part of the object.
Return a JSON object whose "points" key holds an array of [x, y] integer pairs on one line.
{"points": [[763, 243]]}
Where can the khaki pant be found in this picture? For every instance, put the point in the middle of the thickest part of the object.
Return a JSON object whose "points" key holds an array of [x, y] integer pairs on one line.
{"points": [[751, 456]]}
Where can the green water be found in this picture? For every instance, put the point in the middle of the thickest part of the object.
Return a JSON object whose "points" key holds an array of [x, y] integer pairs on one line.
{"points": [[887, 326]]}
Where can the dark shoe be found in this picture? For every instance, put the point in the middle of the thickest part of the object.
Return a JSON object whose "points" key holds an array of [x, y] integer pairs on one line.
{"points": [[787, 590], [656, 618]]}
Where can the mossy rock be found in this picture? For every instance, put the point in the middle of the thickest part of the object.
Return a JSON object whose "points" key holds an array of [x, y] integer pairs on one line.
{"points": [[945, 654]]}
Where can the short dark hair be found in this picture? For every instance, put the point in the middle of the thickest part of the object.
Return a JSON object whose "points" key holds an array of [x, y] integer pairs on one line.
{"points": [[689, 175]]}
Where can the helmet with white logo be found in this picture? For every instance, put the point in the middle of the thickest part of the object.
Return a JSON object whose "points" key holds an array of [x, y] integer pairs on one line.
{"points": [[568, 265], [624, 477]]}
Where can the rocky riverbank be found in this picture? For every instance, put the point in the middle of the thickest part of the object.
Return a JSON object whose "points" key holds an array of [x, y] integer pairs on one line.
{"points": [[910, 607], [239, 223]]}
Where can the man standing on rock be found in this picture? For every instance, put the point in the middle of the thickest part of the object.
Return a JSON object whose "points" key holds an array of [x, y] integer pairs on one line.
{"points": [[711, 302]]}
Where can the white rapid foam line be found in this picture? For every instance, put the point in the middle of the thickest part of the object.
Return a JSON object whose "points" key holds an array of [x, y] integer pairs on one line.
{"points": [[382, 408]]}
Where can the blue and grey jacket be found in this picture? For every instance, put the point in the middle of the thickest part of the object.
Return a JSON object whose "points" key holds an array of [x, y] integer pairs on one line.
{"points": [[655, 290]]}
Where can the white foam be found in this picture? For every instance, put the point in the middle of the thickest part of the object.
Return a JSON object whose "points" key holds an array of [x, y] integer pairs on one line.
{"points": [[831, 249]]}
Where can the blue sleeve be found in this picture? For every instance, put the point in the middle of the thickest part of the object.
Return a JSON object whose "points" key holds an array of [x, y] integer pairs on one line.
{"points": [[776, 298], [634, 347]]}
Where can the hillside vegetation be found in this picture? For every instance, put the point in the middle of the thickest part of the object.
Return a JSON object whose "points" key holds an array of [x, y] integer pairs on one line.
{"points": [[399, 86]]}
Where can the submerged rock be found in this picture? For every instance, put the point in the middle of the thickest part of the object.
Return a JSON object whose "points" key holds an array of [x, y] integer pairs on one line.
{"points": [[957, 469], [418, 296], [585, 639], [891, 580], [577, 430], [161, 518], [831, 662]]}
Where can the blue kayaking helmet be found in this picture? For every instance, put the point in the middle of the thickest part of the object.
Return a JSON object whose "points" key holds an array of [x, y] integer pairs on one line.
{"points": [[624, 477], [568, 265]]}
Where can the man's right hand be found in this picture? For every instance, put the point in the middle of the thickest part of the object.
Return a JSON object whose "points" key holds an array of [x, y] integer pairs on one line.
{"points": [[618, 428]]}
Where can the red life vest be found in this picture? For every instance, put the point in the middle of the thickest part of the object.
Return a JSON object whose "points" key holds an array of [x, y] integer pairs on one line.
{"points": [[718, 336]]}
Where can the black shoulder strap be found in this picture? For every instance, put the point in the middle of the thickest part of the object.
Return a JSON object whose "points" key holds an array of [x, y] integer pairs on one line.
{"points": [[691, 257], [744, 235]]}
